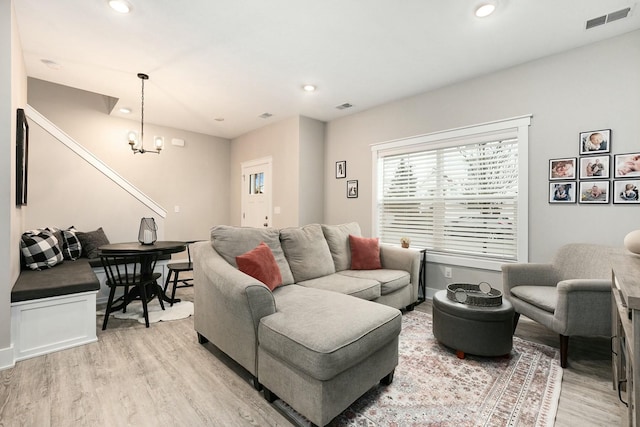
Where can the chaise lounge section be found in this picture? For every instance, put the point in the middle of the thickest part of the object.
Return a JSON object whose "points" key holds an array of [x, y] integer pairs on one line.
{"points": [[323, 337]]}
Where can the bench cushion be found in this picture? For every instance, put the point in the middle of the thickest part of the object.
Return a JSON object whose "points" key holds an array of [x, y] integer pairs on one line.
{"points": [[67, 278], [309, 331]]}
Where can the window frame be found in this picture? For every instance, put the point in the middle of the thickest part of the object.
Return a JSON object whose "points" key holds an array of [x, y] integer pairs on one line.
{"points": [[517, 127]]}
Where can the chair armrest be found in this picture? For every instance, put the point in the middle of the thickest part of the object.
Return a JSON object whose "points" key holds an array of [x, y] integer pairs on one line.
{"points": [[395, 258], [528, 274], [584, 307]]}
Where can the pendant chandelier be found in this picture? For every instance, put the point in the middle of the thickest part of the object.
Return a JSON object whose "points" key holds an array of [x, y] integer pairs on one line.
{"points": [[137, 145]]}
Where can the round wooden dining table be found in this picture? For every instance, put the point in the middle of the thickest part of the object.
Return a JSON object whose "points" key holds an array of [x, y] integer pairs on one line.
{"points": [[147, 253]]}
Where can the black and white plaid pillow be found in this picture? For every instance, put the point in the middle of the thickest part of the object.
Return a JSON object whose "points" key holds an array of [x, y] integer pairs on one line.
{"points": [[71, 247], [40, 249]]}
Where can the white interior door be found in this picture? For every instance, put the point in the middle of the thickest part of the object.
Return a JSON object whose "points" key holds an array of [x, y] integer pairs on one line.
{"points": [[256, 193]]}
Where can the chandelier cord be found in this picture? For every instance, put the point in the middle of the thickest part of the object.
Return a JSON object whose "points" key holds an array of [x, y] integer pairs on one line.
{"points": [[142, 117]]}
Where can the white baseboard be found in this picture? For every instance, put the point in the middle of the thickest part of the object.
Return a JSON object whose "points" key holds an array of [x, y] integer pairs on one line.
{"points": [[6, 358]]}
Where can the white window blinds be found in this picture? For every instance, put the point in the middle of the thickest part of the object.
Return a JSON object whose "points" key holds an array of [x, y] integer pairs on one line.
{"points": [[455, 197]]}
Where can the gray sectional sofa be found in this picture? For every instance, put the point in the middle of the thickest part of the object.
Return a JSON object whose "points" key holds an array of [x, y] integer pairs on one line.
{"points": [[324, 337]]}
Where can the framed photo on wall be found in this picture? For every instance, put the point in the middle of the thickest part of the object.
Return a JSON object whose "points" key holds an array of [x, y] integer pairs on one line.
{"points": [[594, 192], [352, 189], [595, 141], [626, 191], [562, 168], [626, 165], [595, 167], [562, 192], [22, 157], [341, 169]]}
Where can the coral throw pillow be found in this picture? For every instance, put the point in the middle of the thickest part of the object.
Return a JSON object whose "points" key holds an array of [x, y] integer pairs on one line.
{"points": [[365, 253], [260, 264]]}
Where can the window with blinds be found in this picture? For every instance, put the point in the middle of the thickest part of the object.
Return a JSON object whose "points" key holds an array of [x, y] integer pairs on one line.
{"points": [[457, 197]]}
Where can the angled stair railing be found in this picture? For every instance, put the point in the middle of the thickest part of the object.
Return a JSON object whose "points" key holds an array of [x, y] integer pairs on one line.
{"points": [[74, 146]]}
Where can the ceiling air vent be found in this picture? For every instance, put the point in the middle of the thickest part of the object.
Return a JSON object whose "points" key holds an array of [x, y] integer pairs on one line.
{"points": [[344, 106], [265, 115], [605, 19]]}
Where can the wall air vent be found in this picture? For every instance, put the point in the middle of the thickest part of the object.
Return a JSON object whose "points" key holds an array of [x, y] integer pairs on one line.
{"points": [[344, 106], [605, 19], [614, 16], [265, 115], [600, 20]]}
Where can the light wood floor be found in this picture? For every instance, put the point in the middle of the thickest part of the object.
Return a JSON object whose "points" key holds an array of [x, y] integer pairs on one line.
{"points": [[161, 376]]}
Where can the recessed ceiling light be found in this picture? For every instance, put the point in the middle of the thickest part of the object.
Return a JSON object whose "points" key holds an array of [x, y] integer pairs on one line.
{"points": [[485, 10], [309, 88], [219, 119], [125, 110], [120, 6]]}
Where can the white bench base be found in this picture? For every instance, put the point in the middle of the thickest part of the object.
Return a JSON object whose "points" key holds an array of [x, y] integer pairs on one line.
{"points": [[45, 325]]}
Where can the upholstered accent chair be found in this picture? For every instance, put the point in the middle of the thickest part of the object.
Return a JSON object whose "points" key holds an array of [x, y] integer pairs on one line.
{"points": [[571, 295]]}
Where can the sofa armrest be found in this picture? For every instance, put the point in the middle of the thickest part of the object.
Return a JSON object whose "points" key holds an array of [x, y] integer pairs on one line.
{"points": [[584, 307], [528, 274], [395, 258], [228, 305]]}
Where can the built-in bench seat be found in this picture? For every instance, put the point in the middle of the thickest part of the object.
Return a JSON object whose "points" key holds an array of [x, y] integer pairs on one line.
{"points": [[54, 309]]}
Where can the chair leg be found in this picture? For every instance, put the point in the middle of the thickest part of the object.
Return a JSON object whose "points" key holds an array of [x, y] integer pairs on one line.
{"points": [[175, 285], [166, 282], [143, 297], [564, 349], [107, 310], [516, 317], [160, 295]]}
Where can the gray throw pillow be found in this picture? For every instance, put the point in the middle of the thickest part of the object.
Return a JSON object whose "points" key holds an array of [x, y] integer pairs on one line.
{"points": [[90, 242], [307, 252], [338, 240], [230, 242]]}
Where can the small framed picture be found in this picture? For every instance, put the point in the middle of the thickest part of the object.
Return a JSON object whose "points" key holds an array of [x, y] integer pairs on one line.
{"points": [[562, 168], [562, 192], [594, 192], [341, 169], [352, 189], [626, 165], [595, 167], [595, 141], [626, 191]]}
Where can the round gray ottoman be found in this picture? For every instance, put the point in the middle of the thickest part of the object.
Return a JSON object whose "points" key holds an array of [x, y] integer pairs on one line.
{"points": [[483, 331]]}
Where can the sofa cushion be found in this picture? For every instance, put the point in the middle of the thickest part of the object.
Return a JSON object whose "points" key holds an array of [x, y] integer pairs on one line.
{"points": [[338, 240], [325, 333], [260, 264], [71, 247], [543, 297], [230, 242], [91, 241], [40, 249], [307, 252], [363, 288], [390, 280], [365, 253]]}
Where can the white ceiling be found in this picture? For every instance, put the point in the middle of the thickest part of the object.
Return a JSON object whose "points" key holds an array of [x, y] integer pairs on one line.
{"points": [[237, 59]]}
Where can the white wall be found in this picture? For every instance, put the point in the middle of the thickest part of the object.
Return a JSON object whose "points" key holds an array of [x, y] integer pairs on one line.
{"points": [[13, 95], [593, 87], [64, 190], [296, 145]]}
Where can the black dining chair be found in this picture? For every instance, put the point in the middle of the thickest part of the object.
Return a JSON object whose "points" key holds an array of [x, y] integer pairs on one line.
{"points": [[175, 268], [124, 270]]}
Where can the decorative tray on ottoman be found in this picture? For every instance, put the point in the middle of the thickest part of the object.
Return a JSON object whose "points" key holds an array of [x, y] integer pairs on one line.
{"points": [[481, 295]]}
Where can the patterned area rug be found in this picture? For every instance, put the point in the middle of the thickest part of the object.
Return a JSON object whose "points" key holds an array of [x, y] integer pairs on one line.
{"points": [[432, 387], [180, 310]]}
